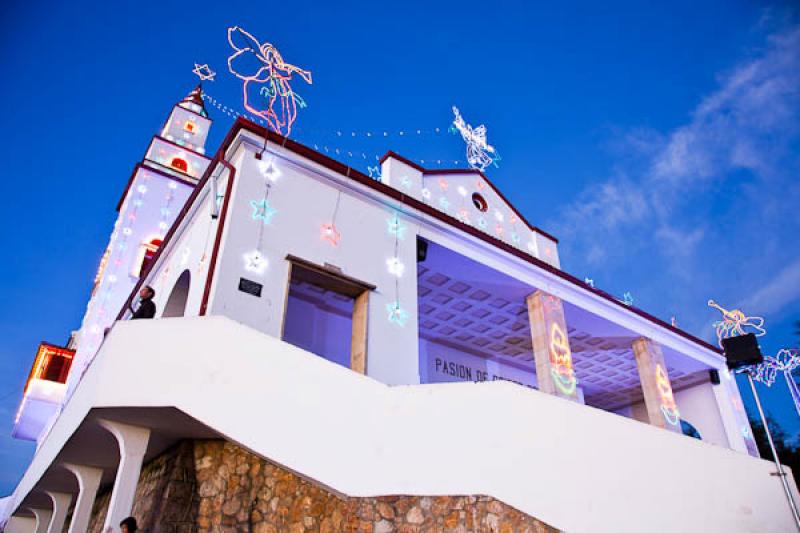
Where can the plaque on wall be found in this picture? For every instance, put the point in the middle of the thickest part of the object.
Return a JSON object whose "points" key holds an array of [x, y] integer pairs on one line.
{"points": [[250, 287]]}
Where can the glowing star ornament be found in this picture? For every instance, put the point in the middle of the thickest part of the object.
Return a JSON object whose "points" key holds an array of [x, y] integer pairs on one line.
{"points": [[204, 72], [735, 322], [255, 262], [269, 170], [480, 154], [375, 172], [330, 233], [786, 361], [397, 315], [627, 298], [396, 227], [262, 211], [444, 203], [395, 267], [426, 193], [275, 101], [589, 282]]}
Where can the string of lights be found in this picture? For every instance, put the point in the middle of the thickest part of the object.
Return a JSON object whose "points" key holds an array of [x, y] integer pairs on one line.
{"points": [[338, 136]]}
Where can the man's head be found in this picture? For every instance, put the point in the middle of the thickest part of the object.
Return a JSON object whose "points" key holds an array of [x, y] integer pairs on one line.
{"points": [[147, 292], [128, 525]]}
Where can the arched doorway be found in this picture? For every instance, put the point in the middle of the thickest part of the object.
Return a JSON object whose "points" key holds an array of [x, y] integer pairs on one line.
{"points": [[176, 303]]}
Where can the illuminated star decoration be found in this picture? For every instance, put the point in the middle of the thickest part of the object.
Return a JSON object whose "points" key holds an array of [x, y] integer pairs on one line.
{"points": [[374, 172], [395, 227], [589, 282], [397, 315], [395, 266], [330, 234], [734, 322], [785, 361], [480, 154], [204, 72], [627, 298], [444, 203], [255, 262], [272, 74], [262, 211]]}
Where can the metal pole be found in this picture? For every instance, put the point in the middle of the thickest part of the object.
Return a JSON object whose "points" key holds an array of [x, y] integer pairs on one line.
{"points": [[781, 473]]}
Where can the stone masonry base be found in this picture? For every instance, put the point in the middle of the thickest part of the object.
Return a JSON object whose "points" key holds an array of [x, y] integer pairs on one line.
{"points": [[216, 486]]}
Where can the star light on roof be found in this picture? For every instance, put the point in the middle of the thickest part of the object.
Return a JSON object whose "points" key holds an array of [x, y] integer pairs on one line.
{"points": [[204, 72], [480, 154]]}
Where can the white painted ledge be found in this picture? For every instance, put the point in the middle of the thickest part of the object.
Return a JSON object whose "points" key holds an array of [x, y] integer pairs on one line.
{"points": [[574, 467]]}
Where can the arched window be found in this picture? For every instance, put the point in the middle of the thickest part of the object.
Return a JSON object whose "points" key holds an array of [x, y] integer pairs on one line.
{"points": [[176, 303], [149, 249], [179, 164]]}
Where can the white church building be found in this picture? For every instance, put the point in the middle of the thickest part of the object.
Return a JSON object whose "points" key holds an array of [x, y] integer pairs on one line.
{"points": [[404, 349]]}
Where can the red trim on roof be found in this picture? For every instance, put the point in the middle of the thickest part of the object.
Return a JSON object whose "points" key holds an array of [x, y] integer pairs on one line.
{"points": [[410, 163], [402, 159]]}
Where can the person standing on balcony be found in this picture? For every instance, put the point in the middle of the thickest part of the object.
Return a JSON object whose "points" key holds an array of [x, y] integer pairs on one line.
{"points": [[147, 309]]}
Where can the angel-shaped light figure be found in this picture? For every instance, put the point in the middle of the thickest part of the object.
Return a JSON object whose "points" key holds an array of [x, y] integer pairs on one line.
{"points": [[785, 361], [267, 69], [734, 322], [480, 154]]}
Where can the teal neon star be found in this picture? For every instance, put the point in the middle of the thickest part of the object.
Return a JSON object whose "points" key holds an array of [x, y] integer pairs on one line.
{"points": [[397, 315], [262, 211], [395, 227]]}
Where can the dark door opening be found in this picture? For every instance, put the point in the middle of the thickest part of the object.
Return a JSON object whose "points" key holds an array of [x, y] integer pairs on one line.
{"points": [[326, 314]]}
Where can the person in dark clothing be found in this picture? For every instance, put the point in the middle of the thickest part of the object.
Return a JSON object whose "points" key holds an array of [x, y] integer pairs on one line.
{"points": [[128, 525], [147, 309]]}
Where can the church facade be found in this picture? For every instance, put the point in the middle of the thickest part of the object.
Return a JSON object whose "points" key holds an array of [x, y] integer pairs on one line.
{"points": [[362, 337]]}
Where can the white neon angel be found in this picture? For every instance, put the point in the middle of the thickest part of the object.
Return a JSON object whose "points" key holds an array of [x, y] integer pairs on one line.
{"points": [[480, 154], [734, 322], [786, 361]]}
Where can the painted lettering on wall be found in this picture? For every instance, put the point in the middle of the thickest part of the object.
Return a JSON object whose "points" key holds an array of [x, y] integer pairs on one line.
{"points": [[461, 371]]}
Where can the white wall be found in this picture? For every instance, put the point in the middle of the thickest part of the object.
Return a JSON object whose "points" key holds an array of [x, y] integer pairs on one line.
{"points": [[572, 466], [698, 406], [304, 201]]}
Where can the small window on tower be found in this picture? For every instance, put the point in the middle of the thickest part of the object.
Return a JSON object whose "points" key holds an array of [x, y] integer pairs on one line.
{"points": [[149, 249], [190, 127], [179, 164]]}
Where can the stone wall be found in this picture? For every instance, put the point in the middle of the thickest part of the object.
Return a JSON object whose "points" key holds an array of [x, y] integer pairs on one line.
{"points": [[216, 486], [165, 497]]}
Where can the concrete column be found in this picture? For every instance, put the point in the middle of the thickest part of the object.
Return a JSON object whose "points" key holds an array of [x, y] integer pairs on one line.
{"points": [[551, 351], [61, 501], [662, 411], [88, 483], [132, 442], [43, 517]]}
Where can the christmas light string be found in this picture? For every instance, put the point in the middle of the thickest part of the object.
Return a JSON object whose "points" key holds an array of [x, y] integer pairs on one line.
{"points": [[396, 314], [338, 136], [273, 74]]}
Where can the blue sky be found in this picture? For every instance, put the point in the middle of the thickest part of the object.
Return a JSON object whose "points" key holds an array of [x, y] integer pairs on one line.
{"points": [[660, 144]]}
